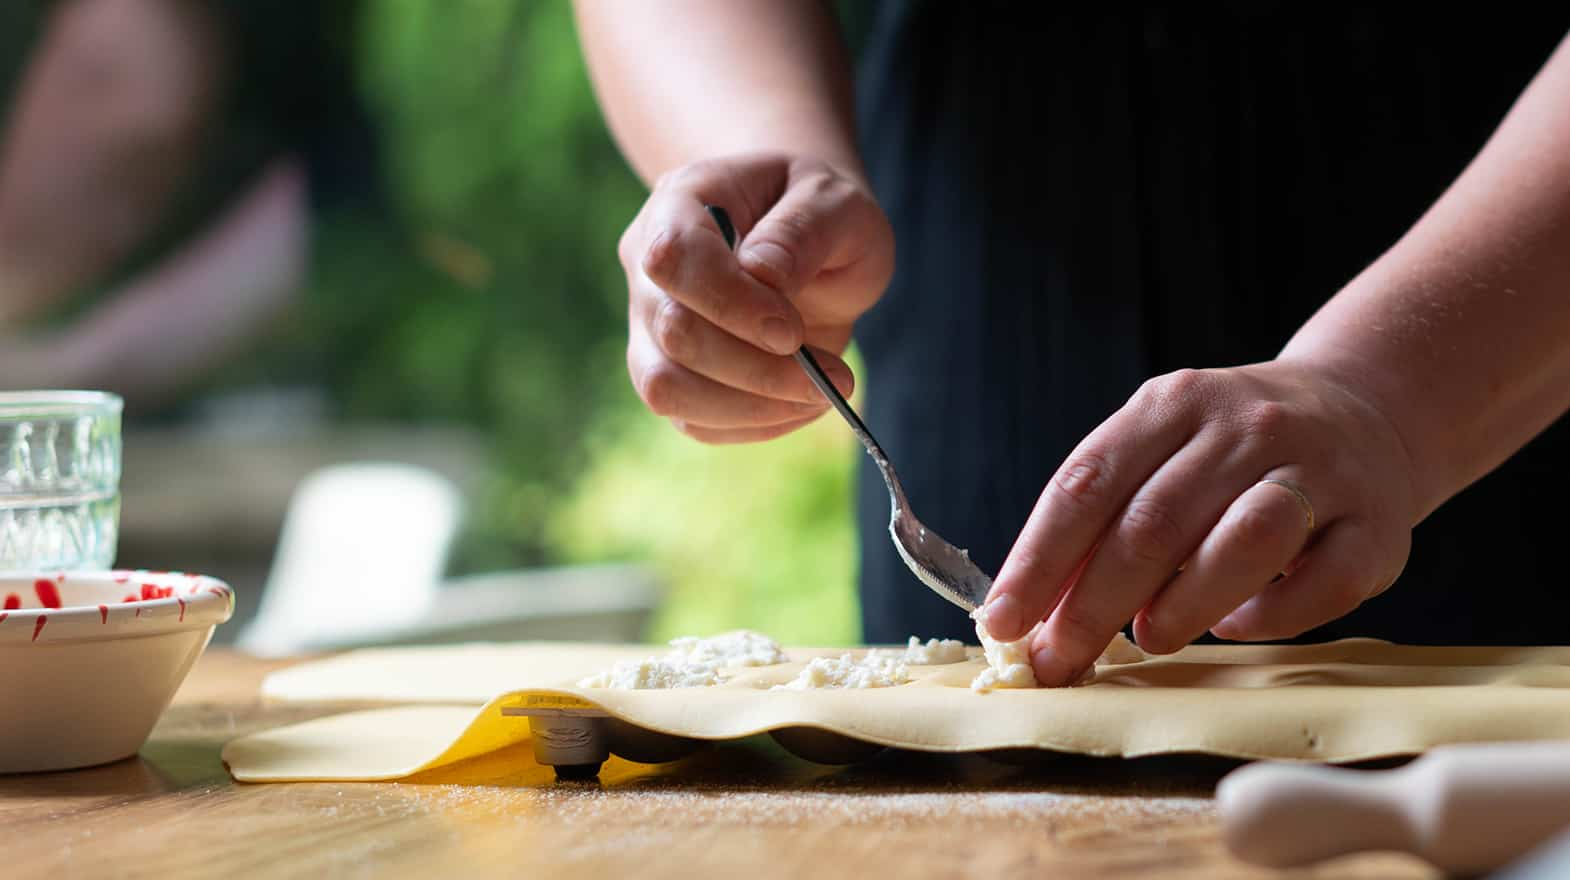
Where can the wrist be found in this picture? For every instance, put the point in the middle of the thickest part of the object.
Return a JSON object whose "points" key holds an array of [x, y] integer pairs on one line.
{"points": [[1374, 390]]}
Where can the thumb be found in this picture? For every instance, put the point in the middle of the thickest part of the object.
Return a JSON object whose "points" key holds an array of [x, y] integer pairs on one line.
{"points": [[815, 226]]}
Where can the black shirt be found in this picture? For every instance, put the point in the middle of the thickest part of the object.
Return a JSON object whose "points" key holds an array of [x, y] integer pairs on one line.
{"points": [[1092, 198]]}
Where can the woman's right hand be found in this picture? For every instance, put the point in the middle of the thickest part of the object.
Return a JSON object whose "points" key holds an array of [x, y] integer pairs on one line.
{"points": [[711, 332]]}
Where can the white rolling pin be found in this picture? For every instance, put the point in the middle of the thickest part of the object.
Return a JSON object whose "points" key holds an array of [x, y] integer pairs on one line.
{"points": [[1464, 808]]}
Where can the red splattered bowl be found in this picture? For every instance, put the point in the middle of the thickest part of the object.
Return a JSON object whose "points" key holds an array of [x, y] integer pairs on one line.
{"points": [[91, 659]]}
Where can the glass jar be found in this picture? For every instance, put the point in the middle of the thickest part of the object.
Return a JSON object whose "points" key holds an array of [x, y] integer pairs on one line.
{"points": [[59, 479]]}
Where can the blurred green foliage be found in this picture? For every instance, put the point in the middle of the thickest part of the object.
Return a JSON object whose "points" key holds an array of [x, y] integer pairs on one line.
{"points": [[756, 536], [491, 296]]}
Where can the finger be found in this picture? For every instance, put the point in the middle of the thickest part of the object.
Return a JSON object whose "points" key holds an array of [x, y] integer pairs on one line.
{"points": [[1082, 499], [690, 340], [1343, 568], [670, 389], [720, 436], [822, 224], [1159, 529], [1257, 538], [686, 257]]}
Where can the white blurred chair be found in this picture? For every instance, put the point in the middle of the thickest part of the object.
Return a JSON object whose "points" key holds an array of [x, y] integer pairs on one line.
{"points": [[360, 563], [362, 550]]}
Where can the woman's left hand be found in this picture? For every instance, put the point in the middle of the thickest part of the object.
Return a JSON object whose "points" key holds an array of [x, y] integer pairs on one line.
{"points": [[1183, 510]]}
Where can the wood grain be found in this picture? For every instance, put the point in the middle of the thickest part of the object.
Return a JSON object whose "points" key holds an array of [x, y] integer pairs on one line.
{"points": [[744, 810]]}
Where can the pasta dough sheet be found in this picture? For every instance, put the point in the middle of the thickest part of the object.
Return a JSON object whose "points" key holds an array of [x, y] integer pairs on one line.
{"points": [[1340, 701]]}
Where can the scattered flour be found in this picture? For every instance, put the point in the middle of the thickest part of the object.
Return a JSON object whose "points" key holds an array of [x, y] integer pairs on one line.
{"points": [[692, 800], [691, 662], [872, 670]]}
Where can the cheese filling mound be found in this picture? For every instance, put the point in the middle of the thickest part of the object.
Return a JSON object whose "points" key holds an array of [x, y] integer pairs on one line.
{"points": [[691, 662], [871, 670], [742, 647], [932, 652], [694, 662], [1008, 663], [653, 673]]}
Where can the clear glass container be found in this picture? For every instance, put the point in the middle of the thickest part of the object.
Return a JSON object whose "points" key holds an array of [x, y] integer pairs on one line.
{"points": [[59, 479]]}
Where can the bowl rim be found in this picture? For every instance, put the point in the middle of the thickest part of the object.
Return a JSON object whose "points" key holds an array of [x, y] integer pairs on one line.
{"points": [[14, 404], [193, 601]]}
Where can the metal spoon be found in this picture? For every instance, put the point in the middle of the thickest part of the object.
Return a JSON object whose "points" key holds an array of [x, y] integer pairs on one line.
{"points": [[946, 569]]}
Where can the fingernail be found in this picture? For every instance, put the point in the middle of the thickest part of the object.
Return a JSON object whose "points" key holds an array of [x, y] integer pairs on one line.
{"points": [[1050, 669], [779, 261], [777, 336], [1004, 618]]}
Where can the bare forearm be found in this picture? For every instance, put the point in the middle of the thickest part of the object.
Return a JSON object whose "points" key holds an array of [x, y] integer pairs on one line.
{"points": [[684, 80], [1462, 330]]}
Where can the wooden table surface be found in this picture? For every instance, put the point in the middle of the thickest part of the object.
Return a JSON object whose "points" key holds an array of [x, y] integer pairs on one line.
{"points": [[745, 810]]}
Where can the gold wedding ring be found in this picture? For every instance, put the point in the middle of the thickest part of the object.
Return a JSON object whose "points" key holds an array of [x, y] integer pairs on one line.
{"points": [[1300, 495]]}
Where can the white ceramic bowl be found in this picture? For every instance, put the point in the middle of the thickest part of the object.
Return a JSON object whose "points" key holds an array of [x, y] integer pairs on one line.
{"points": [[90, 660]]}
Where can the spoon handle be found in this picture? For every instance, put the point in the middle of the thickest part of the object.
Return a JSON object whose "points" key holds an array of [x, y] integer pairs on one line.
{"points": [[816, 374], [809, 364]]}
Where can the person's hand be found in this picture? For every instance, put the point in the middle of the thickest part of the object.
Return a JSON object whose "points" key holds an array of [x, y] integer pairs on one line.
{"points": [[710, 331], [1162, 516]]}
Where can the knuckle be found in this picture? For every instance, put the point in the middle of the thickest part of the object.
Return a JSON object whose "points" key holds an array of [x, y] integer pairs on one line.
{"points": [[663, 258], [658, 385], [1084, 480], [674, 328], [792, 227], [1256, 529], [782, 241], [1172, 390], [1263, 422], [829, 188], [1150, 531]]}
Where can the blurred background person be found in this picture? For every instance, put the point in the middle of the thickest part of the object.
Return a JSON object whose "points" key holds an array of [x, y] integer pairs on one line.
{"points": [[162, 154], [306, 235]]}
